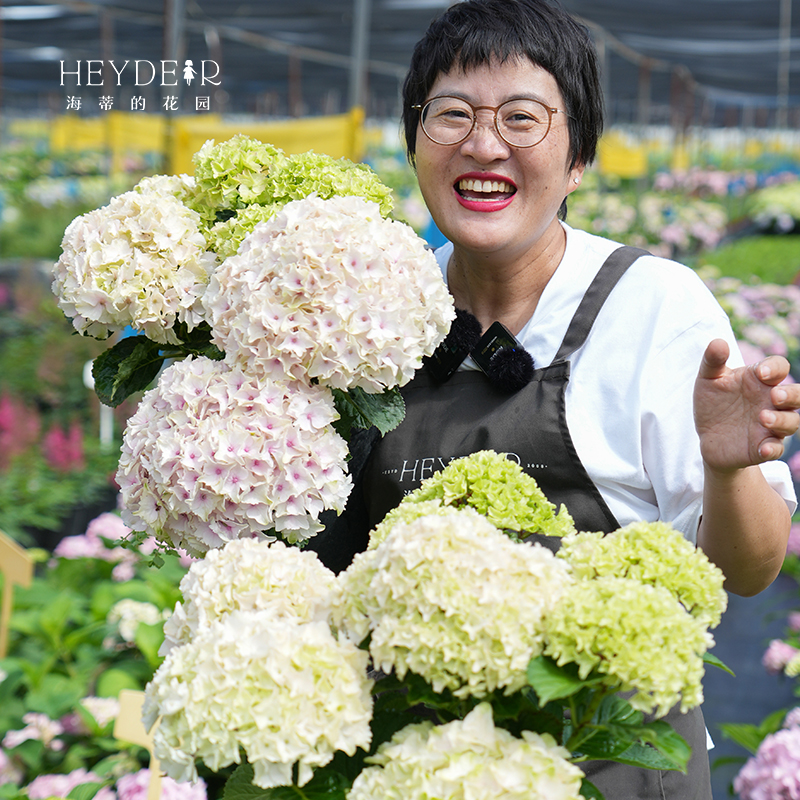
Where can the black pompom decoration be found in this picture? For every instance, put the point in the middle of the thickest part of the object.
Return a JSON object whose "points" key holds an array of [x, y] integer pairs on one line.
{"points": [[510, 369], [465, 332]]}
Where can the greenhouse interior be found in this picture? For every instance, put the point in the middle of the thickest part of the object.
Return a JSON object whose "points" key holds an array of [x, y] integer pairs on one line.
{"points": [[170, 143]]}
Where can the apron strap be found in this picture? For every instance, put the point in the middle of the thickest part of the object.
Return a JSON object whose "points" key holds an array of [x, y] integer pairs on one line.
{"points": [[600, 288]]}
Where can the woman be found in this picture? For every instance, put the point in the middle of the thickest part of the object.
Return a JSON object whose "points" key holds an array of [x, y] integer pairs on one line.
{"points": [[632, 411]]}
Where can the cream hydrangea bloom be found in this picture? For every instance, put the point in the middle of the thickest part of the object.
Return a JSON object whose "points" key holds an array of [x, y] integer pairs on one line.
{"points": [[285, 692], [654, 553], [213, 454], [250, 575], [451, 598], [329, 290], [637, 634], [141, 260], [468, 759]]}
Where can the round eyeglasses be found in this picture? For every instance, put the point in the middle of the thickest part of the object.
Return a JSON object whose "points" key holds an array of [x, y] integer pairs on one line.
{"points": [[519, 123]]}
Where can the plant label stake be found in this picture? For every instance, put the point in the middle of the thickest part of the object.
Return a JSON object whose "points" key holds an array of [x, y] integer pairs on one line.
{"points": [[17, 568], [129, 727]]}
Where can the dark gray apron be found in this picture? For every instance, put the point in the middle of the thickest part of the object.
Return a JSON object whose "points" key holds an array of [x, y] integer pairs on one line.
{"points": [[467, 414]]}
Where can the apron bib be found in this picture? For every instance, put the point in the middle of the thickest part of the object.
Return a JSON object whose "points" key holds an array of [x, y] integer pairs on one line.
{"points": [[467, 414]]}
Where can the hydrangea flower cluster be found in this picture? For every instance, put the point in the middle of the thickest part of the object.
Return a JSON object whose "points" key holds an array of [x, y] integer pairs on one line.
{"points": [[287, 693], [127, 614], [329, 291], [496, 487], [141, 260], [635, 633], [774, 771], [250, 575], [213, 454], [469, 758], [653, 553], [444, 596]]}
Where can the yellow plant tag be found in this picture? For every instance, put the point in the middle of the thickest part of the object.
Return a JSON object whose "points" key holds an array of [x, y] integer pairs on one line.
{"points": [[129, 728], [17, 568]]}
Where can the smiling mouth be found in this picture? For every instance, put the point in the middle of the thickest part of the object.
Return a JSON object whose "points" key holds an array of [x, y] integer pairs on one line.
{"points": [[476, 189]]}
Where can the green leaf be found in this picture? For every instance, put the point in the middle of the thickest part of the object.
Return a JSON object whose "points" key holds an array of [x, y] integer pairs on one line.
{"points": [[590, 791], [113, 681], [129, 366], [748, 736], [552, 682], [667, 741], [85, 791], [325, 785], [358, 409], [713, 661], [148, 639]]}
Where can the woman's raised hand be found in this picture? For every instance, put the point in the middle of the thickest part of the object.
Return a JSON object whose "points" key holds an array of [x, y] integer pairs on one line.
{"points": [[743, 415]]}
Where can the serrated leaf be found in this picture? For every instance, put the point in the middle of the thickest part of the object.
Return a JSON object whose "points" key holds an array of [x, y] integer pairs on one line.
{"points": [[552, 682], [713, 661], [324, 785], [129, 366], [667, 741], [358, 409]]}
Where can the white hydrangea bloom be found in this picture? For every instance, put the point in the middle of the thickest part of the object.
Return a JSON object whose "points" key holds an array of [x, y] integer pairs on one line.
{"points": [[329, 290], [126, 615], [468, 759], [213, 454], [453, 599], [637, 634], [285, 692], [250, 575], [141, 260]]}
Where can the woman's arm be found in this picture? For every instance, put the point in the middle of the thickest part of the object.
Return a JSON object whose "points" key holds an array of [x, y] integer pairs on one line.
{"points": [[742, 417]]}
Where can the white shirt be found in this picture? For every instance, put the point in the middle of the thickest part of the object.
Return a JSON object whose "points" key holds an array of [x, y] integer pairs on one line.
{"points": [[629, 397]]}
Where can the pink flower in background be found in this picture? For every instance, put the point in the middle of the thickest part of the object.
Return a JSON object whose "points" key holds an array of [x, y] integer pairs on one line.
{"points": [[793, 545], [792, 718], [46, 786], [134, 787], [8, 772], [794, 465], [64, 449], [19, 428], [774, 772], [37, 727], [794, 620], [778, 655]]}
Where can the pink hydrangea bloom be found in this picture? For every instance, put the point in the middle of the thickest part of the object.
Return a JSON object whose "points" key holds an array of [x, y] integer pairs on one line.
{"points": [[38, 727], [792, 718], [794, 465], [46, 786], [774, 772], [134, 787], [778, 655]]}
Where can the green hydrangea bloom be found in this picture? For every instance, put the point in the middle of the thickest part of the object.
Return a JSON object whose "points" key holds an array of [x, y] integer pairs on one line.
{"points": [[315, 173], [234, 174], [225, 237], [496, 487], [653, 553], [637, 634], [448, 597]]}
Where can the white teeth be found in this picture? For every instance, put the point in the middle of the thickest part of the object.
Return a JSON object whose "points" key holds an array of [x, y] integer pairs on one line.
{"points": [[472, 185]]}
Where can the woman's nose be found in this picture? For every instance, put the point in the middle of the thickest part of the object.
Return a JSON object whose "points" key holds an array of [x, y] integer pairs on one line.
{"points": [[484, 142]]}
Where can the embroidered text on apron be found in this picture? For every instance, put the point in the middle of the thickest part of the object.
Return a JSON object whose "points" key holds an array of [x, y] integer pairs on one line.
{"points": [[467, 414]]}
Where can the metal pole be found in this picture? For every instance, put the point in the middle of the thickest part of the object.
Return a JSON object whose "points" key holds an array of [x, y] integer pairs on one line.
{"points": [[784, 60], [358, 51]]}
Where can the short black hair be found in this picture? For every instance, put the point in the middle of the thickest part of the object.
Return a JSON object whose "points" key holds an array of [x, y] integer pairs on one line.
{"points": [[472, 33]]}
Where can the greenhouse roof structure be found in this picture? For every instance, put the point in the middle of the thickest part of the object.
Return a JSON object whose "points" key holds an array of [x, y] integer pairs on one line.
{"points": [[718, 61]]}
